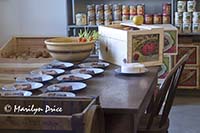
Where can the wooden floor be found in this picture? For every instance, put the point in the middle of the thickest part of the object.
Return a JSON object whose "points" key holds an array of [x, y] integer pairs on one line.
{"points": [[185, 114]]}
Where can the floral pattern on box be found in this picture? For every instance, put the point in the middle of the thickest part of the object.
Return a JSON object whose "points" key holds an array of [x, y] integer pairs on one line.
{"points": [[189, 78], [145, 48], [194, 57], [170, 42]]}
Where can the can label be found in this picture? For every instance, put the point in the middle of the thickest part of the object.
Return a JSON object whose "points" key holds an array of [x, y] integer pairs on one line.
{"points": [[133, 10], [157, 19], [187, 17], [167, 8], [81, 19], [191, 5], [186, 28], [179, 27], [178, 17], [140, 9], [196, 17], [148, 19], [196, 27], [181, 6], [166, 19]]}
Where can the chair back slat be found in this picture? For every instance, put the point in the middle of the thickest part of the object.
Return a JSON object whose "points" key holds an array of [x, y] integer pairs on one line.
{"points": [[167, 92]]}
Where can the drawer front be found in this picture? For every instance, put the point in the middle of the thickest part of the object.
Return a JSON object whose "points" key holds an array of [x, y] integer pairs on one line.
{"points": [[189, 78], [194, 57]]}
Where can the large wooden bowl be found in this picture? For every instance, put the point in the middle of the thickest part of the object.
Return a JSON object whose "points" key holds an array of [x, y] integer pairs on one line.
{"points": [[69, 49]]}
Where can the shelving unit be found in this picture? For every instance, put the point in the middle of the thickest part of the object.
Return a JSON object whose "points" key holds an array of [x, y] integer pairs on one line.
{"points": [[79, 6]]}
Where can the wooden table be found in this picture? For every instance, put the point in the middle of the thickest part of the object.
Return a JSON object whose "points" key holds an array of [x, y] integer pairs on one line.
{"points": [[123, 97]]}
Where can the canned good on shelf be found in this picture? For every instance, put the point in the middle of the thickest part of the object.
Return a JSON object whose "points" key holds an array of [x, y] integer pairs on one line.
{"points": [[178, 17], [179, 27], [125, 10], [187, 28], [125, 17], [157, 18], [148, 18], [191, 5], [196, 27], [181, 6], [107, 22], [81, 19], [196, 17], [167, 8], [131, 17], [166, 19], [140, 9], [187, 17], [133, 10]]}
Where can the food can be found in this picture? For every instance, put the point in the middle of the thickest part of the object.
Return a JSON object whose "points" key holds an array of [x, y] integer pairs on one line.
{"points": [[81, 19], [196, 17], [167, 8], [148, 19], [191, 5], [187, 28], [131, 17], [107, 22], [140, 9], [166, 19], [99, 9], [125, 10], [178, 17], [133, 10], [181, 6], [157, 19], [125, 17], [91, 14], [196, 27], [187, 17], [179, 27], [117, 12], [107, 7]]}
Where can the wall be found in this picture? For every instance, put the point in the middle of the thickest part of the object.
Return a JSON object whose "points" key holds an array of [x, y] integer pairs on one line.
{"points": [[32, 18]]}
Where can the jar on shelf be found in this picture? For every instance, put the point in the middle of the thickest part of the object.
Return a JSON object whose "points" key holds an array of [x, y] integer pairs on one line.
{"points": [[81, 19], [148, 19], [181, 6], [191, 5], [157, 18], [117, 12], [166, 8], [140, 9], [91, 14], [166, 19]]}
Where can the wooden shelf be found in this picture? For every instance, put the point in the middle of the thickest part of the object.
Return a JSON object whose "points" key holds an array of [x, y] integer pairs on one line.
{"points": [[82, 26]]}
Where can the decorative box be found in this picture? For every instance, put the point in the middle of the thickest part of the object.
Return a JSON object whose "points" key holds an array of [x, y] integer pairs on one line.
{"points": [[170, 39], [165, 68], [189, 78], [133, 44], [194, 57]]}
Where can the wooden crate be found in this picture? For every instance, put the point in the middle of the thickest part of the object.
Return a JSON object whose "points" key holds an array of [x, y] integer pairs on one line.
{"points": [[194, 57], [20, 55], [189, 78], [119, 42]]}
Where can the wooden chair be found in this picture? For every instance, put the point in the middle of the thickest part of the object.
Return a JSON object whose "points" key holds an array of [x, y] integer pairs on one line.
{"points": [[156, 121], [78, 115]]}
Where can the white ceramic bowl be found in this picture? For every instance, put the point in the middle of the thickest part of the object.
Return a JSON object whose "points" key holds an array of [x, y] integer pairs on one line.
{"points": [[69, 49]]}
